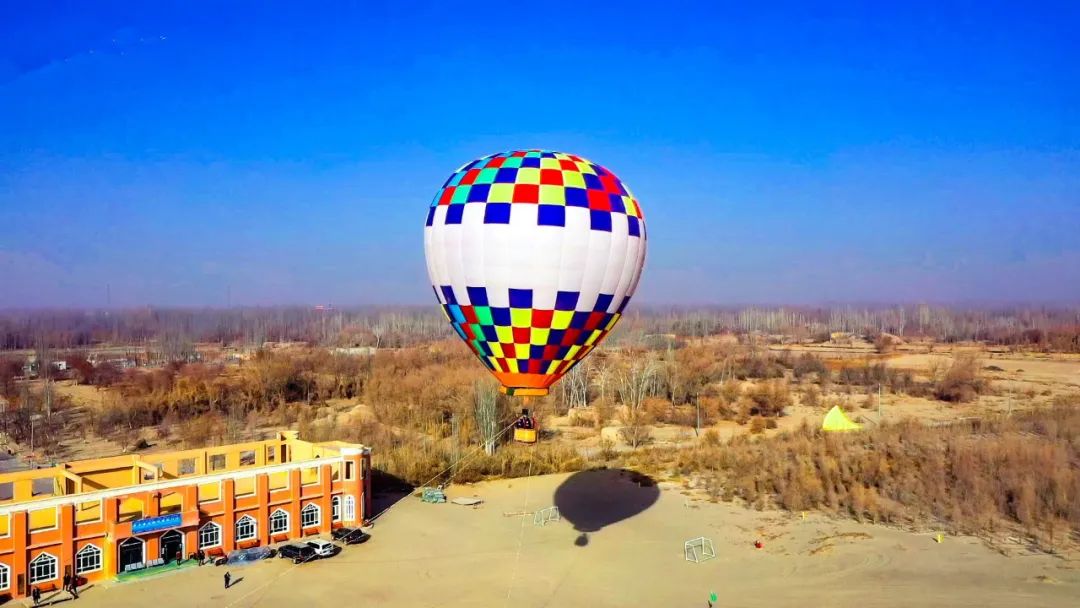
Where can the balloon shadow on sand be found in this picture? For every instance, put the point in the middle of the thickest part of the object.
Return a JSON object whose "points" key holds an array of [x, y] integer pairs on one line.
{"points": [[591, 500]]}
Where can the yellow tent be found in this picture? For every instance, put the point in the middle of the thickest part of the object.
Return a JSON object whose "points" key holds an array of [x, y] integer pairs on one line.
{"points": [[836, 420]]}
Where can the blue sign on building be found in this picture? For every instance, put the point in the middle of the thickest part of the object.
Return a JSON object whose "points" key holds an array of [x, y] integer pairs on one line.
{"points": [[150, 524]]}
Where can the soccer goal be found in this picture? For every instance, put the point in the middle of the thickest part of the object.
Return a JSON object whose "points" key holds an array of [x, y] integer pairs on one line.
{"points": [[544, 517], [699, 550]]}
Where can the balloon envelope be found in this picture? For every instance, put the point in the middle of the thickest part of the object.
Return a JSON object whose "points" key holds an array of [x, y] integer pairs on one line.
{"points": [[533, 256]]}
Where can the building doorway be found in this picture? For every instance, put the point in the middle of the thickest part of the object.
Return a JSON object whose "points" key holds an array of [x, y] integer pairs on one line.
{"points": [[172, 543], [132, 554]]}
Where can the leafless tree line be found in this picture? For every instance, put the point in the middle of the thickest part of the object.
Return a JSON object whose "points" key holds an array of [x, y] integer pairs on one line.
{"points": [[174, 330]]}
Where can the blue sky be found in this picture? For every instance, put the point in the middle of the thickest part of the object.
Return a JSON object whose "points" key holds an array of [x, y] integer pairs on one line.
{"points": [[789, 155]]}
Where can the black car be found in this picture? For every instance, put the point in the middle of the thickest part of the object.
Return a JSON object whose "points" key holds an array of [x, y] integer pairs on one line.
{"points": [[350, 536], [297, 553]]}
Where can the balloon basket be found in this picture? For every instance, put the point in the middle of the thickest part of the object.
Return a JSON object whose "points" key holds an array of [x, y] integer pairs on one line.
{"points": [[523, 391], [525, 435]]}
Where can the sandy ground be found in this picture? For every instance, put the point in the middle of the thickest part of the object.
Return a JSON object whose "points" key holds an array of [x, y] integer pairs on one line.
{"points": [[447, 555]]}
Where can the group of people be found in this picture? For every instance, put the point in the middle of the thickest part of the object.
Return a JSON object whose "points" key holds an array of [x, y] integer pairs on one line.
{"points": [[71, 585]]}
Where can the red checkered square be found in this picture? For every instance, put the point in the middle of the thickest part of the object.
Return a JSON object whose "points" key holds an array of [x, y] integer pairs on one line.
{"points": [[447, 194], [470, 314], [469, 177], [599, 200], [522, 335], [541, 318], [551, 177], [594, 320], [526, 193]]}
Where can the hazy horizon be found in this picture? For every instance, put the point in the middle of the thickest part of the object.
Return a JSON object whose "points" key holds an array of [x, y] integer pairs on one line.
{"points": [[253, 157]]}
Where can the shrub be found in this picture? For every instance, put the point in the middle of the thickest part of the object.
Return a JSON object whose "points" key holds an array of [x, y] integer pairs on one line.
{"points": [[710, 438], [757, 425], [962, 382], [769, 398], [807, 364]]}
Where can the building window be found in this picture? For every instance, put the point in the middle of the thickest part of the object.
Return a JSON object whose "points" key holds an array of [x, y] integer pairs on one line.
{"points": [[348, 469], [187, 466], [217, 462], [88, 559], [5, 576], [271, 453], [335, 510], [209, 536], [247, 458], [245, 528], [350, 508], [310, 515], [279, 522], [42, 569]]}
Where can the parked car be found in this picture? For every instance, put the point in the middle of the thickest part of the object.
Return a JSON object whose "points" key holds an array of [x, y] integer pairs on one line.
{"points": [[241, 556], [297, 553], [350, 536], [322, 548]]}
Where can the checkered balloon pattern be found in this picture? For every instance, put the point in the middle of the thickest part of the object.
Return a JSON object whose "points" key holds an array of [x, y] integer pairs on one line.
{"points": [[533, 256]]}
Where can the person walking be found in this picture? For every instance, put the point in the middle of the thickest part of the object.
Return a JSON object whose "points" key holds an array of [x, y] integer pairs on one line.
{"points": [[67, 582], [228, 577], [35, 593]]}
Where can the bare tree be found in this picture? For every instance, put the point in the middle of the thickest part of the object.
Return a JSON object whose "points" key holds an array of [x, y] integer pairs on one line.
{"points": [[573, 391], [485, 409], [636, 381]]}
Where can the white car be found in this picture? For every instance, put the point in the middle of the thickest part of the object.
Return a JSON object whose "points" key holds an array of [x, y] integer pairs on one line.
{"points": [[323, 548]]}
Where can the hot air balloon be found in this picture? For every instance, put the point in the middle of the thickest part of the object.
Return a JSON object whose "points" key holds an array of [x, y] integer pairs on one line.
{"points": [[533, 256]]}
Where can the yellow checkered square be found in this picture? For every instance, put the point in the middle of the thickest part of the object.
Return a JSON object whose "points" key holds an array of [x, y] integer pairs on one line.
{"points": [[528, 175], [573, 179], [538, 336], [584, 167], [520, 317], [505, 334], [561, 319], [501, 193]]}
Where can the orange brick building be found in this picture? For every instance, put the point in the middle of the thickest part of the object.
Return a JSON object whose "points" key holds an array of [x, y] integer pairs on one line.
{"points": [[95, 519]]}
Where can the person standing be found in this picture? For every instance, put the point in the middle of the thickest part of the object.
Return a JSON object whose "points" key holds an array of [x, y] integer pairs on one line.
{"points": [[35, 593], [67, 582], [228, 577]]}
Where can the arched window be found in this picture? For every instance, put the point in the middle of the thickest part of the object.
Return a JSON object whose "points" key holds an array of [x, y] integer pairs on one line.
{"points": [[279, 522], [88, 559], [42, 568], [310, 515], [350, 508], [209, 536], [245, 528], [335, 508], [5, 576]]}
